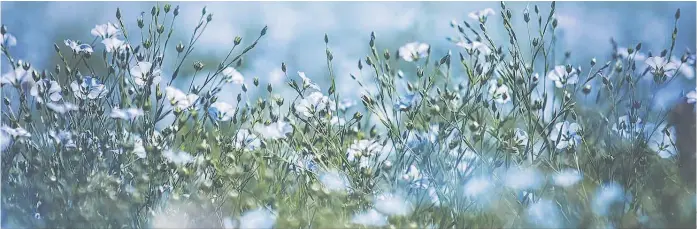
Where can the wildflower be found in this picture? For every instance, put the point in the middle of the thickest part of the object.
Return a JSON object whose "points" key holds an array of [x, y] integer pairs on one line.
{"points": [[477, 186], [138, 148], [5, 140], [392, 204], [370, 218], [62, 108], [334, 181], [221, 111], [627, 126], [561, 76], [413, 51], [245, 139], [481, 15], [315, 102], [523, 178], [126, 114], [407, 102], [662, 141], [8, 40], [142, 73], [18, 77], [337, 121], [660, 67], [232, 75], [260, 218], [544, 214], [362, 149], [105, 30], [567, 177], [113, 44], [179, 158], [691, 96], [90, 88], [63, 138], [567, 134], [180, 100], [605, 197], [475, 46], [18, 132], [275, 131], [499, 92], [520, 137], [685, 70], [346, 104], [79, 48], [624, 53], [46, 87], [307, 82]]}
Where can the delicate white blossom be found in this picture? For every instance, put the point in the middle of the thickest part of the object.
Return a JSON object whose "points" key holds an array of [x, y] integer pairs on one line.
{"points": [[105, 30], [413, 51], [660, 66], [307, 82], [566, 135], [313, 103], [179, 158], [113, 44], [499, 92], [221, 111], [90, 88], [18, 77], [125, 114], [562, 77], [245, 139], [15, 132], [143, 71], [179, 99], [51, 88], [481, 15], [232, 75], [276, 130], [475, 46], [8, 40]]}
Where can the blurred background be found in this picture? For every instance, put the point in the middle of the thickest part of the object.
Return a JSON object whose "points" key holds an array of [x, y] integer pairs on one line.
{"points": [[296, 31]]}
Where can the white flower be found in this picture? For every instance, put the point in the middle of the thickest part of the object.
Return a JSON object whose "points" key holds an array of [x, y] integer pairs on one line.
{"points": [[277, 130], [660, 66], [15, 132], [523, 178], [307, 82], [180, 100], [691, 96], [221, 111], [62, 108], [245, 139], [567, 177], [370, 218], [18, 77], [8, 40], [141, 74], [662, 142], [113, 44], [346, 104], [391, 204], [138, 148], [561, 77], [475, 46], [313, 103], [334, 181], [477, 187], [628, 127], [413, 51], [105, 30], [90, 88], [79, 48], [179, 158], [232, 75], [685, 69], [63, 138], [481, 15], [567, 134], [499, 93], [520, 137], [126, 114], [260, 218], [337, 121], [362, 149], [624, 53], [46, 87]]}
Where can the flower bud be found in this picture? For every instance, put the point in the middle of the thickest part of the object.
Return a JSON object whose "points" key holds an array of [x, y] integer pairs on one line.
{"points": [[198, 65], [3, 29], [161, 29], [167, 8], [140, 22], [118, 13], [269, 88], [209, 18], [256, 81], [176, 11], [357, 116], [586, 89], [180, 47]]}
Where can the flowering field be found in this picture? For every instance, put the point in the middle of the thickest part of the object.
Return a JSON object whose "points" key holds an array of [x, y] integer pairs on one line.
{"points": [[128, 130]]}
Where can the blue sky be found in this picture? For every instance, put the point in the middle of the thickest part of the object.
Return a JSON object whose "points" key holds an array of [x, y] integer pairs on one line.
{"points": [[296, 29]]}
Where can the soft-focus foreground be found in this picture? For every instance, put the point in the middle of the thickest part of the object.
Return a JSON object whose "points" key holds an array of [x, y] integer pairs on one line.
{"points": [[489, 135]]}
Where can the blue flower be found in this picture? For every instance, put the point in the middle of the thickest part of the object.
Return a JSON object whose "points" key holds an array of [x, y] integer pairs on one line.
{"points": [[407, 102], [90, 88]]}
